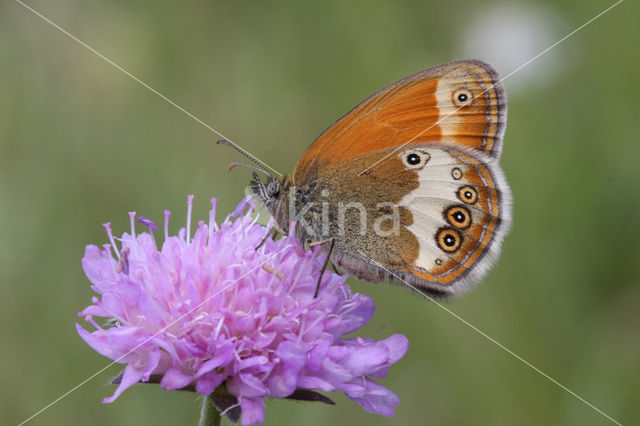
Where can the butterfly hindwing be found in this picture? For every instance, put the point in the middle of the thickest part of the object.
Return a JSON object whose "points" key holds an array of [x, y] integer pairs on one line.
{"points": [[451, 207], [461, 211]]}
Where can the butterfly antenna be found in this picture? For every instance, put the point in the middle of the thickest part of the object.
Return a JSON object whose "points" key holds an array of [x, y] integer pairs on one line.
{"points": [[262, 167], [249, 166]]}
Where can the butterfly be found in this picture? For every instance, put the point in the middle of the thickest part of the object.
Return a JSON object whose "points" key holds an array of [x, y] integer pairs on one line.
{"points": [[406, 187]]}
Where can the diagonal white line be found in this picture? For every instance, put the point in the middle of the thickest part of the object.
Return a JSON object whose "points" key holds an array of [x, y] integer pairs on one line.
{"points": [[67, 393], [142, 83], [492, 340], [229, 285], [562, 39], [493, 85]]}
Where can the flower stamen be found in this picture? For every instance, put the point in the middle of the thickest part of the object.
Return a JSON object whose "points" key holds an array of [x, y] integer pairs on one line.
{"points": [[132, 219], [189, 208], [123, 262], [148, 223], [213, 226], [270, 270], [167, 214], [107, 226], [218, 328]]}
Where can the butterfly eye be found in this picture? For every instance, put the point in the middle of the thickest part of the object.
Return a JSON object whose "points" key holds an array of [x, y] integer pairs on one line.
{"points": [[415, 159], [468, 194], [462, 97], [272, 189], [448, 239], [458, 216]]}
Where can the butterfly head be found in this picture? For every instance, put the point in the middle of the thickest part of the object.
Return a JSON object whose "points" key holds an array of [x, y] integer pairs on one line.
{"points": [[273, 194], [268, 192]]}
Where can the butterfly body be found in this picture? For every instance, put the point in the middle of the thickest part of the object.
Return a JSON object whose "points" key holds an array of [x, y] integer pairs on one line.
{"points": [[407, 185]]}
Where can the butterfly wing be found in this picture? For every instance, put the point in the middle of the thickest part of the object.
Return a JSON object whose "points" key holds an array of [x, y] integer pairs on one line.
{"points": [[461, 212], [424, 151], [451, 205], [461, 102]]}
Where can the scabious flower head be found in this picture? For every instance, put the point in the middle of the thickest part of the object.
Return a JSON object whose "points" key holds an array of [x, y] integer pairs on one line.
{"points": [[211, 312]]}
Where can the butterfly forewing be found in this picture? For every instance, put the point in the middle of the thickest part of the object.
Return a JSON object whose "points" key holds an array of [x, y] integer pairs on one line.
{"points": [[460, 102]]}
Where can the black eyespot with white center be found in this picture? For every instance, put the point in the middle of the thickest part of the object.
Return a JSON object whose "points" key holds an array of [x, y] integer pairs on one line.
{"points": [[458, 216], [414, 159], [448, 239], [468, 194], [462, 97]]}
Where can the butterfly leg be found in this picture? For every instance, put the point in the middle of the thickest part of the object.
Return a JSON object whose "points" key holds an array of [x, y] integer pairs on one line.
{"points": [[274, 234], [311, 244], [324, 266], [335, 268]]}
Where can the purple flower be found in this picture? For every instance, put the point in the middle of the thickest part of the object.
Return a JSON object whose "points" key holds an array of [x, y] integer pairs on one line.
{"points": [[211, 310]]}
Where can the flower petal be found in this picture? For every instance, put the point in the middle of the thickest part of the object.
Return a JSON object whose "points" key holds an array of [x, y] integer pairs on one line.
{"points": [[398, 346], [372, 396], [252, 410], [175, 379], [209, 382], [246, 385], [130, 377]]}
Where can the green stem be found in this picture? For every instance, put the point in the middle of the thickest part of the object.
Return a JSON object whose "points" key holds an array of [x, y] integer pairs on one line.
{"points": [[209, 414]]}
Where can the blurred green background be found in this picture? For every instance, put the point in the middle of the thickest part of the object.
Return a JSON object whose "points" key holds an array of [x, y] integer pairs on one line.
{"points": [[82, 144]]}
